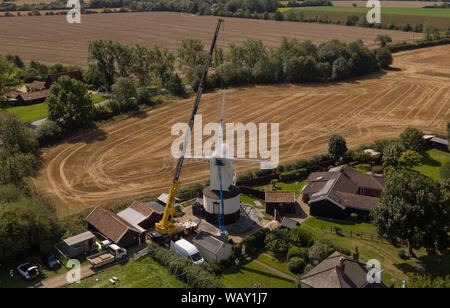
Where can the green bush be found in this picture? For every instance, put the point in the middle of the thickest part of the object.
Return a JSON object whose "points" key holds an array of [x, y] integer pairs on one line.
{"points": [[278, 242], [296, 265], [190, 192], [254, 242], [308, 267], [300, 252], [49, 132], [195, 276], [301, 237], [295, 175]]}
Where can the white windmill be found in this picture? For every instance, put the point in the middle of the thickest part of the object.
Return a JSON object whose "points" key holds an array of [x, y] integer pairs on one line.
{"points": [[221, 199]]}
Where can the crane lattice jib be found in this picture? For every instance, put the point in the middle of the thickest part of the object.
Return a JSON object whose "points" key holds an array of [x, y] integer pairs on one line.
{"points": [[165, 225]]}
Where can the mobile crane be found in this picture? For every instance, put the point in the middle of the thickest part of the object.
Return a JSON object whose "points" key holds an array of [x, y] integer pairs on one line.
{"points": [[166, 229]]}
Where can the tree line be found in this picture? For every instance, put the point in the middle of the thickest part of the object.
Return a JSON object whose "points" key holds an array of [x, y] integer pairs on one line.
{"points": [[246, 63]]}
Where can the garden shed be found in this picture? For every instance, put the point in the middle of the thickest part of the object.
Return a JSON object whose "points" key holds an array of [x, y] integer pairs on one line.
{"points": [[79, 244], [211, 248]]}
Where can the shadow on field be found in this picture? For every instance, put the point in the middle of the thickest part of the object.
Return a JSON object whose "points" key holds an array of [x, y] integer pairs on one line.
{"points": [[88, 136]]}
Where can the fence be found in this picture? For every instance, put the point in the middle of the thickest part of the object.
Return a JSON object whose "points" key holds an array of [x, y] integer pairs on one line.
{"points": [[140, 254], [354, 234]]}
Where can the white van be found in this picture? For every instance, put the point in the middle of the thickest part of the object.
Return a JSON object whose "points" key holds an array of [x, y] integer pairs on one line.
{"points": [[186, 250]]}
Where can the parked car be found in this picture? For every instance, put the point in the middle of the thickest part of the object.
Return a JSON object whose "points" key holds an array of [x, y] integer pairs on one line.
{"points": [[51, 262], [28, 270]]}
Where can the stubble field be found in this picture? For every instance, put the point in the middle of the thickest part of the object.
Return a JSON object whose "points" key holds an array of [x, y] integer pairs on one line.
{"points": [[51, 39], [131, 158]]}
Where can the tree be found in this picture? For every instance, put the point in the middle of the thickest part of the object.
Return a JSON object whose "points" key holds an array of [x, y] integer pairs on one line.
{"points": [[6, 74], [337, 146], [384, 57], [409, 159], [383, 40], [163, 64], [124, 90], [417, 281], [413, 208], [69, 104], [142, 63], [191, 55], [278, 16], [15, 135], [175, 85], [277, 242], [102, 58], [27, 224], [412, 139], [392, 152], [341, 68]]}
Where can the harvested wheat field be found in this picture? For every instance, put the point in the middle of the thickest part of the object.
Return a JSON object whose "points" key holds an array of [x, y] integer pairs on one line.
{"points": [[131, 158], [51, 39]]}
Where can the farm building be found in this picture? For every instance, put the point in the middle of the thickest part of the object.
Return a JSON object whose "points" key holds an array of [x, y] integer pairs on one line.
{"points": [[52, 78], [282, 201], [436, 142], [342, 191], [339, 271], [141, 215], [115, 228], [36, 86], [79, 244], [211, 248], [35, 97]]}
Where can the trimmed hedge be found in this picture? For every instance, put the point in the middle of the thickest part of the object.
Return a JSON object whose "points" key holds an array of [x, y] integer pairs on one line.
{"points": [[194, 275], [417, 44], [294, 175]]}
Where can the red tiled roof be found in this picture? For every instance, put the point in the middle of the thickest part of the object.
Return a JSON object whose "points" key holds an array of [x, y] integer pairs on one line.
{"points": [[141, 208], [280, 196], [37, 85], [109, 224], [30, 96]]}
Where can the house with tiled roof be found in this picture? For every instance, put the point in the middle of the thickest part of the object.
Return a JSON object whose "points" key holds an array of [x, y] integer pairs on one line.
{"points": [[342, 191], [341, 271], [52, 78], [281, 201], [115, 228]]}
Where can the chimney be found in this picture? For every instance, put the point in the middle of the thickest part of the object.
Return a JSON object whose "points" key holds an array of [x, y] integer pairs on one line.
{"points": [[356, 254], [341, 266]]}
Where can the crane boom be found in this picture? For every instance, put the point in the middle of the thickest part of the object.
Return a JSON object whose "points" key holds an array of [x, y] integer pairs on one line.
{"points": [[166, 225]]}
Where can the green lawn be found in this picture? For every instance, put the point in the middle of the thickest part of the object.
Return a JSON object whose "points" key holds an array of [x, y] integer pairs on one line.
{"points": [[29, 113], [251, 274], [293, 186], [432, 163], [363, 168], [251, 201], [394, 266], [97, 98], [266, 258], [143, 273]]}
